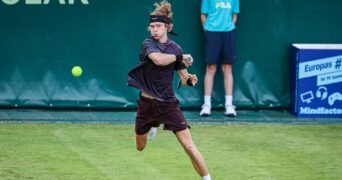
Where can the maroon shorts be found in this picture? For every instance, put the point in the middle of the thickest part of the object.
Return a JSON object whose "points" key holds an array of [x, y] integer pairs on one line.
{"points": [[152, 113]]}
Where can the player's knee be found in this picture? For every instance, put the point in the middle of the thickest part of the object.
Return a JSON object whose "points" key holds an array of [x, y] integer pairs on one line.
{"points": [[190, 149], [140, 146], [140, 142]]}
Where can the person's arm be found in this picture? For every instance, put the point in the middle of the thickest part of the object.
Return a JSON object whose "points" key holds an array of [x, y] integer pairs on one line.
{"points": [[187, 78], [234, 18], [162, 59], [203, 19]]}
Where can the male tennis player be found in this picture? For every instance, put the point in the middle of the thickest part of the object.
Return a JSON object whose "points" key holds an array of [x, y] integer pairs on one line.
{"points": [[160, 57]]}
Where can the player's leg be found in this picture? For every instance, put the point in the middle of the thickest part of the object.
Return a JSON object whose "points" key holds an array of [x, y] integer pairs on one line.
{"points": [[174, 121], [196, 157], [144, 122], [142, 136], [141, 141]]}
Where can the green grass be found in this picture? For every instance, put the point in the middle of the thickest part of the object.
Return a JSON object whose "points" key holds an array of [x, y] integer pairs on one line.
{"points": [[107, 151]]}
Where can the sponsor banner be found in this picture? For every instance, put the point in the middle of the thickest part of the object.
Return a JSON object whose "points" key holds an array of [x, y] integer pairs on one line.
{"points": [[317, 81]]}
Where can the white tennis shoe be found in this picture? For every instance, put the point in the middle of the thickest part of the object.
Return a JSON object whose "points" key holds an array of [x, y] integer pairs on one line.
{"points": [[206, 110], [230, 111], [152, 133]]}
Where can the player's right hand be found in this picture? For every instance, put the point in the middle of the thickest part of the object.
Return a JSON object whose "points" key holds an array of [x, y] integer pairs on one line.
{"points": [[187, 60]]}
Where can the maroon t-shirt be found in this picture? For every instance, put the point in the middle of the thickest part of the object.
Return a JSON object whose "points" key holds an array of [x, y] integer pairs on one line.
{"points": [[152, 79]]}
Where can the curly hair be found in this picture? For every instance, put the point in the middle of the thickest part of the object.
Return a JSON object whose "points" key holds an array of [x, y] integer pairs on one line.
{"points": [[163, 8]]}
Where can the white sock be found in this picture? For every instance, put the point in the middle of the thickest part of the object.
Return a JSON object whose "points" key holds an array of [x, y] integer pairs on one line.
{"points": [[207, 100], [207, 177], [229, 100]]}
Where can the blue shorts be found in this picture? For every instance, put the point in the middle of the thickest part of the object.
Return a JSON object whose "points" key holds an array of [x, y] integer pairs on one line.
{"points": [[220, 47]]}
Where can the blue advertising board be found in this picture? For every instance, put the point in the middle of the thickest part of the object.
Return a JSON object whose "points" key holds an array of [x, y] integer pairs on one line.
{"points": [[316, 82]]}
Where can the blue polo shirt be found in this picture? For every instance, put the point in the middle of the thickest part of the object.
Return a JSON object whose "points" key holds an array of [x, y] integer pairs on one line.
{"points": [[219, 14]]}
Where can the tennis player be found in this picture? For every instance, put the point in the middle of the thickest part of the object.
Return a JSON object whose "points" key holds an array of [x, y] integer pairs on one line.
{"points": [[160, 57]]}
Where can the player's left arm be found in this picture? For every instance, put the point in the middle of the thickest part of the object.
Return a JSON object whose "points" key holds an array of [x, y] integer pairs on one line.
{"points": [[186, 78]]}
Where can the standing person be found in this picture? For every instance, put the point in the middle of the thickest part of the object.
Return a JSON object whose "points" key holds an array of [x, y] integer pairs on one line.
{"points": [[160, 57], [218, 18]]}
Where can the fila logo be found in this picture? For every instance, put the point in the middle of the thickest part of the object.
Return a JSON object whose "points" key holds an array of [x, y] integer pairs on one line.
{"points": [[223, 5], [38, 2]]}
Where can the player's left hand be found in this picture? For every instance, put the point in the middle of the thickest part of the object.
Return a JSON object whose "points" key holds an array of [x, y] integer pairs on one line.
{"points": [[193, 79]]}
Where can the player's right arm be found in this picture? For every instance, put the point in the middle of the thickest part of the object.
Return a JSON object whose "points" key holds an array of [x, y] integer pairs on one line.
{"points": [[162, 59]]}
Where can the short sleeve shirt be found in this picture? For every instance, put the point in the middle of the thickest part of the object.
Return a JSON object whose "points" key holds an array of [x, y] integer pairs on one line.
{"points": [[219, 14], [152, 79]]}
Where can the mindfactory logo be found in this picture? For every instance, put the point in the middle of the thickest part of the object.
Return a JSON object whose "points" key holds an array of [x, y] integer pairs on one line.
{"points": [[39, 2]]}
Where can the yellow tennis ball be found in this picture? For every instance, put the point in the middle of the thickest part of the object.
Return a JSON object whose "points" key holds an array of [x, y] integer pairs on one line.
{"points": [[76, 71]]}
